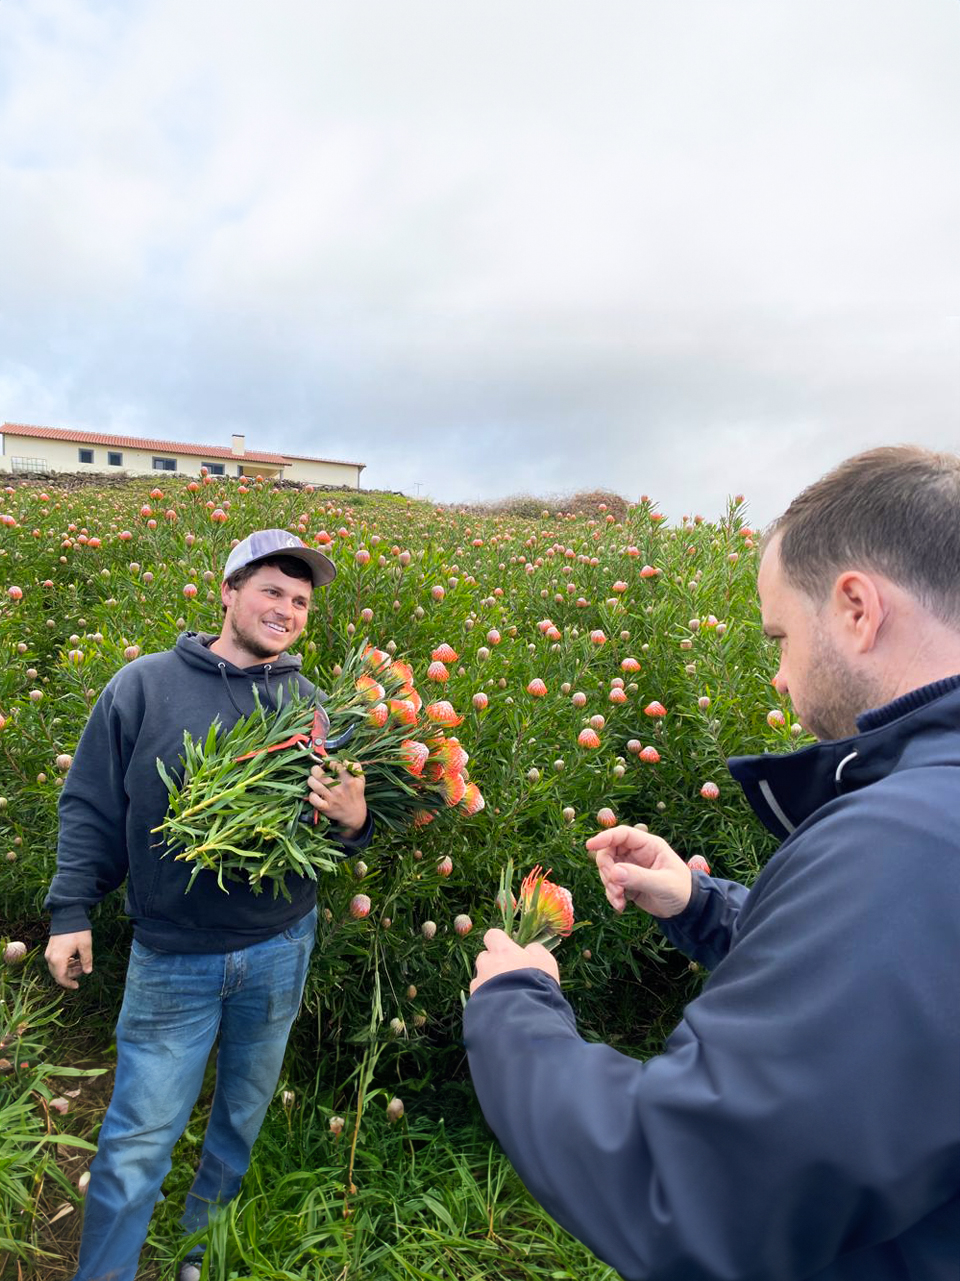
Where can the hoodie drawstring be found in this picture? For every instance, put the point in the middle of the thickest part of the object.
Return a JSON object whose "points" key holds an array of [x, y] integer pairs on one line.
{"points": [[266, 687], [223, 672]]}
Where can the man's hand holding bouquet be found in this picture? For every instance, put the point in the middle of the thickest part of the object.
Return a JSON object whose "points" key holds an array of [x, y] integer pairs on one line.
{"points": [[272, 796]]}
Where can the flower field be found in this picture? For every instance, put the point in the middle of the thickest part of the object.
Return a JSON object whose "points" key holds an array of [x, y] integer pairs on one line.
{"points": [[599, 669]]}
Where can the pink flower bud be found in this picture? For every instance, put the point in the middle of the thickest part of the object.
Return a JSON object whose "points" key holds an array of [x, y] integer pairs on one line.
{"points": [[360, 906]]}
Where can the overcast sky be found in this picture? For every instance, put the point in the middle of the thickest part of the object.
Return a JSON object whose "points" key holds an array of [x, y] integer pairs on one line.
{"points": [[681, 247]]}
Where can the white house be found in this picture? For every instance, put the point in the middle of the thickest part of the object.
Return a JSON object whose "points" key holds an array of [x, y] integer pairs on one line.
{"points": [[25, 449]]}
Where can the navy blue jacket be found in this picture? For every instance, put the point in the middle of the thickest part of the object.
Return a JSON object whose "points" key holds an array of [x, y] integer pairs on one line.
{"points": [[803, 1120], [114, 796]]}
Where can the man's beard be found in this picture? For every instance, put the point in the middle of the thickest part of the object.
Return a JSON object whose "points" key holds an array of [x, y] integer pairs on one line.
{"points": [[836, 695], [253, 646]]}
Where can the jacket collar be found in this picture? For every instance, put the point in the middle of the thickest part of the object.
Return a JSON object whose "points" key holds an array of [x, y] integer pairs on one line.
{"points": [[785, 790]]}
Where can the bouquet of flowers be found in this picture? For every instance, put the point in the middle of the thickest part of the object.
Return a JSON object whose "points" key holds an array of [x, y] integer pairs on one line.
{"points": [[544, 913], [240, 807]]}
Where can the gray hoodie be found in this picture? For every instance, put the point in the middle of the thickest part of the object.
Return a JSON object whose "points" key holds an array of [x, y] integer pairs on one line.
{"points": [[113, 796]]}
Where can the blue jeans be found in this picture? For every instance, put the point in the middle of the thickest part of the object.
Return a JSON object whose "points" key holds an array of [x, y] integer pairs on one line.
{"points": [[175, 1006]]}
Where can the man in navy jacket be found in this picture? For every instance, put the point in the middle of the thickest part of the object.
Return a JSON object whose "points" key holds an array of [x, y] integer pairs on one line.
{"points": [[803, 1120]]}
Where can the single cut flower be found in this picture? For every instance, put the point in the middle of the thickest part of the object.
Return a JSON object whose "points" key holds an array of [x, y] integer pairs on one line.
{"points": [[544, 912], [551, 904]]}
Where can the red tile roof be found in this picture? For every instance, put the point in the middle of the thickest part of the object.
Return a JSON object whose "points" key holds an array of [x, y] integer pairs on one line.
{"points": [[164, 446]]}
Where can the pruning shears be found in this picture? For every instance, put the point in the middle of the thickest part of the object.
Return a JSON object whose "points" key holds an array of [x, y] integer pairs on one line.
{"points": [[317, 744], [321, 747]]}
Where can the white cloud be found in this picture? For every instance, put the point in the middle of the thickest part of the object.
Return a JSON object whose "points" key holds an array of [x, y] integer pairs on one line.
{"points": [[489, 247]]}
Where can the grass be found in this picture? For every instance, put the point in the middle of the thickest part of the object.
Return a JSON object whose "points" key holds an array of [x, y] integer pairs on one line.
{"points": [[428, 1203], [430, 1196]]}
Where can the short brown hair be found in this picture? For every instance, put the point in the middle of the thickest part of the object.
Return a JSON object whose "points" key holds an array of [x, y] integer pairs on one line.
{"points": [[895, 510], [292, 566]]}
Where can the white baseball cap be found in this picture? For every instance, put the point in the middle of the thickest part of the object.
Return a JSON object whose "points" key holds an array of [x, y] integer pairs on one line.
{"points": [[279, 542]]}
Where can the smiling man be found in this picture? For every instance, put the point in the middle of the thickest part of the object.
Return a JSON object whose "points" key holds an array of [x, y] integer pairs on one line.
{"points": [[206, 966], [803, 1120]]}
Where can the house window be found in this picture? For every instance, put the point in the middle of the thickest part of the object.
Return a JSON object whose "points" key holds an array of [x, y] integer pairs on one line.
{"points": [[86, 455], [114, 458], [164, 464], [215, 469], [28, 464]]}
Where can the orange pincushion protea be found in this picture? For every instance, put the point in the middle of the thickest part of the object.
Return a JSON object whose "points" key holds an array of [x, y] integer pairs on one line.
{"points": [[437, 672], [376, 658], [442, 713], [415, 755], [372, 690], [472, 802], [551, 904], [404, 710], [544, 913], [453, 788], [452, 755], [444, 654], [404, 672], [379, 714]]}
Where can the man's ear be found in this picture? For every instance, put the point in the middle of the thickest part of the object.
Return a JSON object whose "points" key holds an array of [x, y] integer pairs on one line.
{"points": [[226, 593], [861, 607]]}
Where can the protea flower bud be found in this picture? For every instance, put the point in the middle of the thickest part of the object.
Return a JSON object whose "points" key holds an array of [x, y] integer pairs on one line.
{"points": [[428, 929], [445, 866], [462, 924], [394, 1110], [14, 953], [698, 864], [569, 813], [336, 1125], [360, 906], [709, 791], [288, 1098], [606, 817]]}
